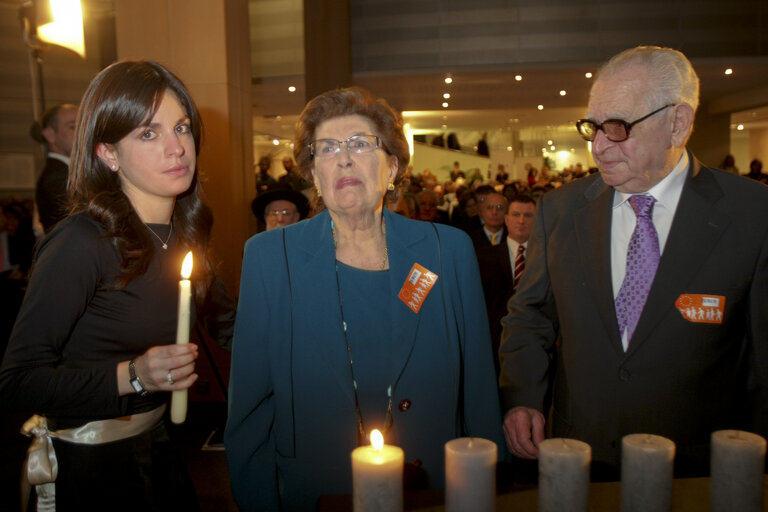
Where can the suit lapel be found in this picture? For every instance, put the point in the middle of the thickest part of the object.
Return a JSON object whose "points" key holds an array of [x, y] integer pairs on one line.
{"points": [[592, 225], [697, 226], [403, 253], [313, 274]]}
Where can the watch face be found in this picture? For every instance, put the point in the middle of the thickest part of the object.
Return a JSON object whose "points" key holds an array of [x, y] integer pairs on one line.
{"points": [[137, 385]]}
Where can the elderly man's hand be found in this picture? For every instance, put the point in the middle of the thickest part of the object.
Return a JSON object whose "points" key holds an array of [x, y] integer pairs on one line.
{"points": [[524, 430]]}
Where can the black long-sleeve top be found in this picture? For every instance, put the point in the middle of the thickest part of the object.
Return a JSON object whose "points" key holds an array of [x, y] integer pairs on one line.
{"points": [[75, 326]]}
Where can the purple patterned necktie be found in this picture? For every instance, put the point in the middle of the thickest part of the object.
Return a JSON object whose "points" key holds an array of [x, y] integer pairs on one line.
{"points": [[642, 262]]}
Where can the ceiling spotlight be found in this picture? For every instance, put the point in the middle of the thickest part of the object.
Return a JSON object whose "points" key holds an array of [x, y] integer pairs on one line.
{"points": [[276, 141], [540, 107], [729, 71], [445, 104], [444, 126], [448, 80], [291, 88], [446, 95], [509, 148], [562, 93], [549, 142], [588, 74], [552, 148], [518, 77], [740, 127]]}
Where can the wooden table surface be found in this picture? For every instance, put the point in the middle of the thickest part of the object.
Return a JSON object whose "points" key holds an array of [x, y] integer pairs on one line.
{"points": [[688, 495]]}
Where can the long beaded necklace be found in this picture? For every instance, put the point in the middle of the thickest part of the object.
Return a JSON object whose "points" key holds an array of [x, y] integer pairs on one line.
{"points": [[170, 232], [361, 432]]}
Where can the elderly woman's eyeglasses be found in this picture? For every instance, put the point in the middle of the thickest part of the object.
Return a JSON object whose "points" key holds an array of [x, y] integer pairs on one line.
{"points": [[356, 144], [615, 130]]}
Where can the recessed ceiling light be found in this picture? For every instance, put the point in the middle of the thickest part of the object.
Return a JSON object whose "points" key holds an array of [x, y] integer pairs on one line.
{"points": [[509, 148], [540, 107], [728, 71], [740, 127], [291, 88], [448, 80], [518, 77], [445, 104], [552, 148], [446, 95], [549, 142], [563, 93], [445, 126], [276, 141], [588, 74]]}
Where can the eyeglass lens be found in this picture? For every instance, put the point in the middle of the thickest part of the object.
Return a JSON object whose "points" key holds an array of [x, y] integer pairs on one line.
{"points": [[615, 130], [356, 144]]}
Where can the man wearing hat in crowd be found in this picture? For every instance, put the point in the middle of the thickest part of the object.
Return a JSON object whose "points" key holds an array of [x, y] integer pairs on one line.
{"points": [[280, 206]]}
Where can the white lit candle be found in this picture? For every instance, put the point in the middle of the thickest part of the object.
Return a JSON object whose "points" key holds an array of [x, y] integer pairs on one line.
{"points": [[564, 475], [179, 398], [377, 476], [646, 473], [470, 475], [736, 470]]}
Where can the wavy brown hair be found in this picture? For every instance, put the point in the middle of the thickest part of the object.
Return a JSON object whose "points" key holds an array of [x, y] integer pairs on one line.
{"points": [[119, 99]]}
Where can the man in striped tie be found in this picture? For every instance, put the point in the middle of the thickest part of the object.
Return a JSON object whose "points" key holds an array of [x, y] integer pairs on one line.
{"points": [[502, 265]]}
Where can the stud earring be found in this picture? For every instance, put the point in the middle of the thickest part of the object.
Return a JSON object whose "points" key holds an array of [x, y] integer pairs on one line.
{"points": [[114, 167], [390, 186]]}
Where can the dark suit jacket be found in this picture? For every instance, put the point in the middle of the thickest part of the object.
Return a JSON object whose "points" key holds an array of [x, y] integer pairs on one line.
{"points": [[292, 421], [678, 379], [480, 239], [498, 283], [51, 193]]}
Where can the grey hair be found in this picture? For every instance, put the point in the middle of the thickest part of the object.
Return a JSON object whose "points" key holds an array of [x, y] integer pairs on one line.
{"points": [[673, 79]]}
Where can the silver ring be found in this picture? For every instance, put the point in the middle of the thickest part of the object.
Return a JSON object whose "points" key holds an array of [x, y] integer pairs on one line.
{"points": [[169, 378]]}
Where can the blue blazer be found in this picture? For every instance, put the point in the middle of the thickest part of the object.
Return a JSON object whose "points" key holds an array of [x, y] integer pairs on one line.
{"points": [[292, 420]]}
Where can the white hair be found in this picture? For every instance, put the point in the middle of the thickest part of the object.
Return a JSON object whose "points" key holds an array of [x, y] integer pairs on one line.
{"points": [[673, 79]]}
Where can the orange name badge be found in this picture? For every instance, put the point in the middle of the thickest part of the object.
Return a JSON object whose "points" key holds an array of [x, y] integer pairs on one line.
{"points": [[703, 309], [417, 286]]}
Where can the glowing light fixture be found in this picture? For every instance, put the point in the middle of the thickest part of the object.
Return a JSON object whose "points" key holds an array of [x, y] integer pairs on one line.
{"points": [[588, 74], [66, 29], [446, 95], [540, 107], [448, 80], [445, 104], [563, 93], [518, 77], [740, 127], [291, 88], [276, 141], [728, 71]]}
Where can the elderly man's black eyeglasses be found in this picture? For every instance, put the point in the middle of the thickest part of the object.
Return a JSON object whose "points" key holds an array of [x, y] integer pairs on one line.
{"points": [[615, 130]]}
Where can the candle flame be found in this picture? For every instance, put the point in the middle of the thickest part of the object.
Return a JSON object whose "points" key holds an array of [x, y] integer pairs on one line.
{"points": [[377, 440], [186, 266]]}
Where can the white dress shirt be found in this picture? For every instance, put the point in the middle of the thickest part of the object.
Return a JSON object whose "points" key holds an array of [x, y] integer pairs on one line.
{"points": [[667, 194]]}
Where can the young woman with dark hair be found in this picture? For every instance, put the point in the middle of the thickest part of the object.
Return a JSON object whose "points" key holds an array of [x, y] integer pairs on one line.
{"points": [[93, 346]]}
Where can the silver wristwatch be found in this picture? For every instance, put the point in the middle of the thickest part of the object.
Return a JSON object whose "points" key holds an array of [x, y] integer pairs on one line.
{"points": [[135, 382]]}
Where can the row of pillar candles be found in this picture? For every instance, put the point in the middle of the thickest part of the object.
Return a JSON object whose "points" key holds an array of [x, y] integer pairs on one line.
{"points": [[736, 473]]}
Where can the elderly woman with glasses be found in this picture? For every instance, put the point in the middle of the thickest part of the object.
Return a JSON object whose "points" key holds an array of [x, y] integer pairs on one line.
{"points": [[356, 319]]}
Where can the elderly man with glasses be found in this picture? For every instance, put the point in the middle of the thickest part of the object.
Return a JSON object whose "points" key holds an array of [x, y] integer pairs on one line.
{"points": [[643, 307]]}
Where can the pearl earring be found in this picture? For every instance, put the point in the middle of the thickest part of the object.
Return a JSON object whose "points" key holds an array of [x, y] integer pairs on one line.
{"points": [[114, 167]]}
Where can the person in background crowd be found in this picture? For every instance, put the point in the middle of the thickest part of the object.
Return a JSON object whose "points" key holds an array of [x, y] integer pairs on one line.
{"points": [[264, 180], [357, 283], [502, 265], [729, 164], [756, 171], [292, 177], [428, 211], [280, 206], [643, 298], [493, 231], [58, 133], [102, 364]]}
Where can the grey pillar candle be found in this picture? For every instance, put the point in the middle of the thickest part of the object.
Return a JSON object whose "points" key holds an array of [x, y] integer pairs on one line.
{"points": [[646, 473], [564, 475], [736, 470]]}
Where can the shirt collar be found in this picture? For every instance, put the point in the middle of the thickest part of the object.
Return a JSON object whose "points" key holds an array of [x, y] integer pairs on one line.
{"points": [[665, 191], [59, 157]]}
